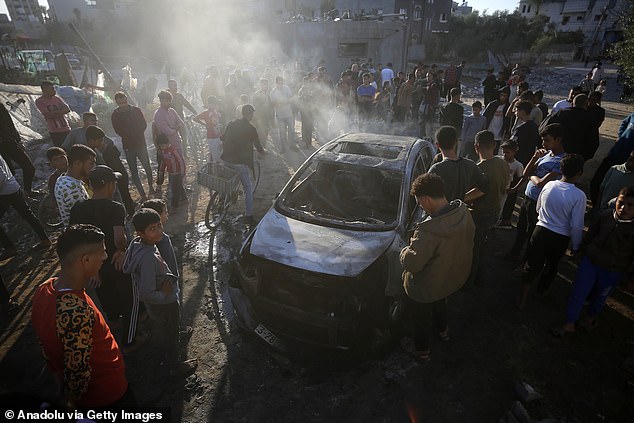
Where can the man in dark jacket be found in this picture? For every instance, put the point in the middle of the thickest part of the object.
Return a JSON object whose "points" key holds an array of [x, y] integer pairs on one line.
{"points": [[526, 133], [452, 113], [580, 135], [237, 153], [129, 123], [108, 154], [12, 149]]}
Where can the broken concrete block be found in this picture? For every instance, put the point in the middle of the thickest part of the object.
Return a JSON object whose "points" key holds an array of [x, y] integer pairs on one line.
{"points": [[508, 418], [526, 392], [520, 413]]}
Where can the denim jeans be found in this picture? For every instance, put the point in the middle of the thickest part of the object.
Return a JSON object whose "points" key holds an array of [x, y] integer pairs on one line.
{"points": [[245, 177], [594, 281], [286, 129], [131, 155]]}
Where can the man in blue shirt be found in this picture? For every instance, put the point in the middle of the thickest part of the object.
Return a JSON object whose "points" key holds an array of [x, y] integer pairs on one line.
{"points": [[543, 167]]}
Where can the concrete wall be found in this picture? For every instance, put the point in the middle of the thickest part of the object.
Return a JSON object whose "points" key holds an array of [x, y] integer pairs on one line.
{"points": [[312, 41]]}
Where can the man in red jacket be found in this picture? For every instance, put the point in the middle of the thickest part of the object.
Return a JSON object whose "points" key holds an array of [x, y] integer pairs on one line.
{"points": [[129, 123], [76, 340]]}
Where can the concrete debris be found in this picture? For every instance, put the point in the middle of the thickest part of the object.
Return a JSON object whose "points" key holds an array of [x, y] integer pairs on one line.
{"points": [[520, 413], [508, 418], [526, 392]]}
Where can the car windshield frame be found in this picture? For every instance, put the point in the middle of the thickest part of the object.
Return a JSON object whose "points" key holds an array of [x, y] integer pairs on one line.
{"points": [[344, 170]]}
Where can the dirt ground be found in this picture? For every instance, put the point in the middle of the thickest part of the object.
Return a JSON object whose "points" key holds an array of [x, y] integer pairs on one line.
{"points": [[241, 379]]}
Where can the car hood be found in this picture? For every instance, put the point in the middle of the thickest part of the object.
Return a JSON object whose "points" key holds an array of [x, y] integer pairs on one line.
{"points": [[333, 251]]}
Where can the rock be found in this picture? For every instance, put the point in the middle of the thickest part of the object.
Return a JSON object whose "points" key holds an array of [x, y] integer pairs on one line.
{"points": [[520, 413], [526, 392], [508, 418]]}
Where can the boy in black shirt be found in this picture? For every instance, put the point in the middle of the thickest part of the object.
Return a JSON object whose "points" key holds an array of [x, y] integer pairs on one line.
{"points": [[115, 288]]}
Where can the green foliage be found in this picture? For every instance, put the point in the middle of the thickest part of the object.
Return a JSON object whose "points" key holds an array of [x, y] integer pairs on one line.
{"points": [[552, 37], [623, 52], [502, 32]]}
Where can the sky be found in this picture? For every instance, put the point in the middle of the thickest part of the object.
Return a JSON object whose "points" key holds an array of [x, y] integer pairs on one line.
{"points": [[490, 5]]}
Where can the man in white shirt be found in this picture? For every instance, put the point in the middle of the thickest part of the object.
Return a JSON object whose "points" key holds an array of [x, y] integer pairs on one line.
{"points": [[281, 96], [70, 188], [560, 208], [387, 74], [566, 103]]}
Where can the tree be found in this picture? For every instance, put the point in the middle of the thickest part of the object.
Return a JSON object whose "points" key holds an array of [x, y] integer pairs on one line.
{"points": [[623, 52]]}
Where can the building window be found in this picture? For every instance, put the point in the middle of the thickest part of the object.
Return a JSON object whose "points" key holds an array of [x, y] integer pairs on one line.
{"points": [[418, 12], [597, 18], [580, 17], [91, 3], [528, 10], [353, 50], [565, 20], [428, 26], [430, 1], [443, 17], [524, 8]]}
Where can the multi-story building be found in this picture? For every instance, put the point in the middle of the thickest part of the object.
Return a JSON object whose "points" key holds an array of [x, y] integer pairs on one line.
{"points": [[597, 19], [70, 10], [27, 18], [24, 10]]}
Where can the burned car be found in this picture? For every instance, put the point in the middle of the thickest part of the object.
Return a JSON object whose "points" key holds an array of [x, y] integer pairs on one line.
{"points": [[322, 265]]}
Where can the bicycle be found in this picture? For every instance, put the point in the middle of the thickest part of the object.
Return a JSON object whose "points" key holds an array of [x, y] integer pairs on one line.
{"points": [[48, 213], [196, 135], [224, 187]]}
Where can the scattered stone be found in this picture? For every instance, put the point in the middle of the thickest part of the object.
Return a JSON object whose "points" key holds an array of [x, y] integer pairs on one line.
{"points": [[520, 413], [526, 392], [508, 418]]}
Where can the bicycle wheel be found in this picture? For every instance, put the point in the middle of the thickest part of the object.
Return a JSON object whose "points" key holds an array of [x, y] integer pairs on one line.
{"points": [[255, 175], [216, 208], [48, 213]]}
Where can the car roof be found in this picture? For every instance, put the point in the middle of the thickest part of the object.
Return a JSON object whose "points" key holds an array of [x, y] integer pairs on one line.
{"points": [[388, 152]]}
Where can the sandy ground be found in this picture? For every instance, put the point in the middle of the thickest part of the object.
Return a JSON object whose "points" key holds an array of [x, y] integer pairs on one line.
{"points": [[241, 379]]}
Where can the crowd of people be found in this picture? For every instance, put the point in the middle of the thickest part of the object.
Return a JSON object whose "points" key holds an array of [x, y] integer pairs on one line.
{"points": [[509, 148]]}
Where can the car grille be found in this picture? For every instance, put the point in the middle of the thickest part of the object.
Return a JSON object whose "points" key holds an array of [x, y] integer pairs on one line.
{"points": [[309, 291]]}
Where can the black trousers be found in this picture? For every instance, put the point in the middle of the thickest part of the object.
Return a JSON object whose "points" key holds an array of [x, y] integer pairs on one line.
{"points": [[544, 251], [525, 224], [119, 297], [167, 318], [308, 127], [17, 201], [14, 152], [423, 318]]}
